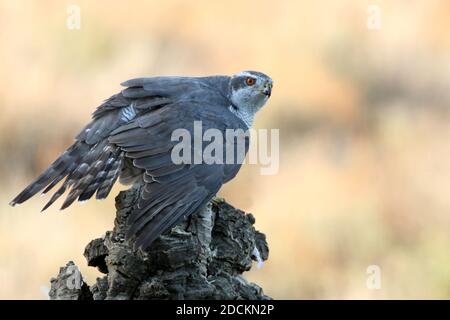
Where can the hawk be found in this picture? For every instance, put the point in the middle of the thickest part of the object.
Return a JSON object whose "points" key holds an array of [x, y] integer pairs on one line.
{"points": [[129, 138]]}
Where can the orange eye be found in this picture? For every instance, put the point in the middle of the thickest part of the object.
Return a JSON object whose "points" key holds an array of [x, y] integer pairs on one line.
{"points": [[250, 81]]}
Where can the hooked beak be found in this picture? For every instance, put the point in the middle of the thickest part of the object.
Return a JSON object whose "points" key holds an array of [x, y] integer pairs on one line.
{"points": [[267, 89]]}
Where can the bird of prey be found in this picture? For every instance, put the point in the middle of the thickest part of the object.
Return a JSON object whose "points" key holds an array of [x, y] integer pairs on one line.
{"points": [[129, 138]]}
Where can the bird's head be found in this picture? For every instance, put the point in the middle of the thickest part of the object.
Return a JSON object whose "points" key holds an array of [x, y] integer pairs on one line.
{"points": [[249, 91]]}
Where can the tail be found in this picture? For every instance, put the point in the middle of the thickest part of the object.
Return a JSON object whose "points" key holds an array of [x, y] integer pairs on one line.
{"points": [[87, 169]]}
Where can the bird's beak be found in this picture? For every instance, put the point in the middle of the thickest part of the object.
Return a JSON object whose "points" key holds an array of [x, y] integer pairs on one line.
{"points": [[267, 89]]}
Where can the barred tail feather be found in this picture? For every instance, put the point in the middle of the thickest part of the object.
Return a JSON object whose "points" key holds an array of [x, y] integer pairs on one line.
{"points": [[54, 173], [106, 185], [87, 169]]}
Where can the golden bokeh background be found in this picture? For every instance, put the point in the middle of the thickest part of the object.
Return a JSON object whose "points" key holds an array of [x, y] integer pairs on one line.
{"points": [[364, 125]]}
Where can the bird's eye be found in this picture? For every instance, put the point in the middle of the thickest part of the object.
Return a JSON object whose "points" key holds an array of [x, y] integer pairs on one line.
{"points": [[250, 81]]}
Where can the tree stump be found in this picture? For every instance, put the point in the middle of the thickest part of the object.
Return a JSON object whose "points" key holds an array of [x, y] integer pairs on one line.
{"points": [[201, 258]]}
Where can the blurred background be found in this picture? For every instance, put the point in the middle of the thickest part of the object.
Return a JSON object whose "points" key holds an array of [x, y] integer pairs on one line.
{"points": [[364, 125]]}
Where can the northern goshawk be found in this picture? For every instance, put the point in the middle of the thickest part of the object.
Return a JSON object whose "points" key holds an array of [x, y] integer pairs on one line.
{"points": [[130, 137]]}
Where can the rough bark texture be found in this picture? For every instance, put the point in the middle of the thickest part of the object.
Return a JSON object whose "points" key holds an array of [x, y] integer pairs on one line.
{"points": [[201, 258]]}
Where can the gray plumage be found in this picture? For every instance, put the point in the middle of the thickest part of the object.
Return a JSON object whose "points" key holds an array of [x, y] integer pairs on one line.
{"points": [[129, 138]]}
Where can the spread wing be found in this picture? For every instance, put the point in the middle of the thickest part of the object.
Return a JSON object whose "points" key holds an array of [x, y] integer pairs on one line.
{"points": [[134, 129], [92, 164], [170, 191]]}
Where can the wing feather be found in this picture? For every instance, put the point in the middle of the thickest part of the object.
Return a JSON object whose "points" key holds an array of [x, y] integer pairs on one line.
{"points": [[131, 134], [171, 191]]}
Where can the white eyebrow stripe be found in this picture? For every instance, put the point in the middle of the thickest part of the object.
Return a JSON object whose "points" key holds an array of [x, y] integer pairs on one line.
{"points": [[247, 74]]}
